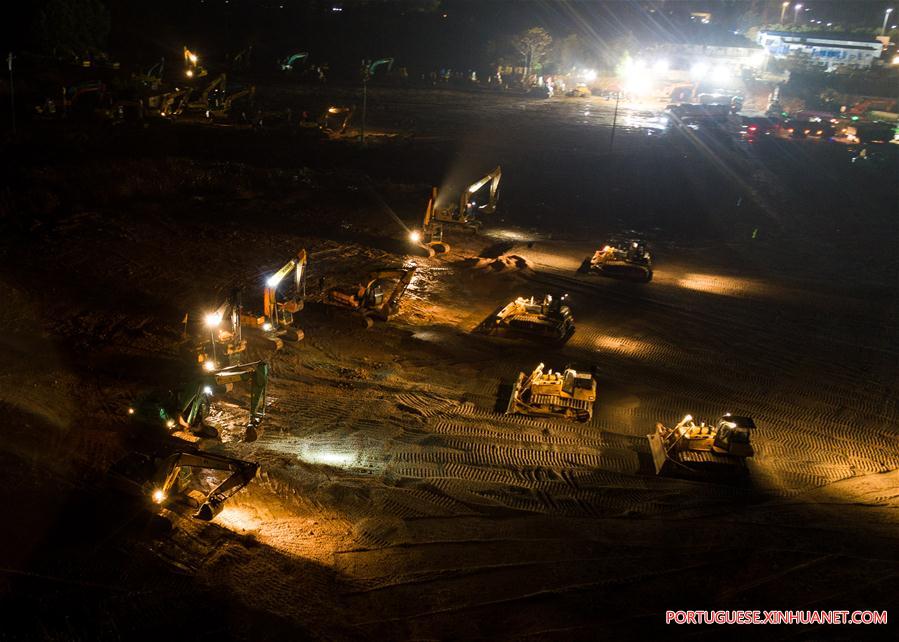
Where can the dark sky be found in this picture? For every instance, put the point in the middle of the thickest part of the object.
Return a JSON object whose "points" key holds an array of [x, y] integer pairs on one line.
{"points": [[415, 32]]}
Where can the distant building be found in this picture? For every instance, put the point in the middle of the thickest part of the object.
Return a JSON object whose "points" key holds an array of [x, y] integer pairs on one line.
{"points": [[830, 50]]}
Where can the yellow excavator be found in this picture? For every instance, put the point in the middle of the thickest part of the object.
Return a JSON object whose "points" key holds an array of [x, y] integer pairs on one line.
{"points": [[192, 66], [202, 100], [371, 299], [467, 211], [568, 394], [547, 320], [430, 237], [181, 412], [224, 107], [200, 480], [697, 447], [278, 315], [224, 343]]}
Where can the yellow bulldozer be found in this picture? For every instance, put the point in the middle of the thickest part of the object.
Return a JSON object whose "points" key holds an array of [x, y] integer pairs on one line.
{"points": [[699, 447], [568, 394]]}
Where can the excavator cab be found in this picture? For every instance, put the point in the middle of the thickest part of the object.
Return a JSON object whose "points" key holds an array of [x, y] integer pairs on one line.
{"points": [[732, 436], [374, 295]]}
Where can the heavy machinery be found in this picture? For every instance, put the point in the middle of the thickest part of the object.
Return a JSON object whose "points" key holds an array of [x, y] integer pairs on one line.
{"points": [[182, 411], [277, 320], [629, 260], [193, 479], [466, 212], [192, 66], [569, 394], [430, 237], [546, 320], [698, 447], [371, 299], [287, 63], [225, 345], [335, 119], [222, 106], [204, 99]]}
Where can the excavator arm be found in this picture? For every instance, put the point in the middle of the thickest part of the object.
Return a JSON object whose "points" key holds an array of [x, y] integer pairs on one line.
{"points": [[287, 63], [270, 306], [210, 503], [389, 302], [493, 178]]}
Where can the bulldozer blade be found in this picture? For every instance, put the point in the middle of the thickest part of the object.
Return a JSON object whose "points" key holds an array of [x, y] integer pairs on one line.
{"points": [[513, 399], [659, 457]]}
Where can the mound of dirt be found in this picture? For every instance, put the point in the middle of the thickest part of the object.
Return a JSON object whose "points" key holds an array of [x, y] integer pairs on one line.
{"points": [[502, 263]]}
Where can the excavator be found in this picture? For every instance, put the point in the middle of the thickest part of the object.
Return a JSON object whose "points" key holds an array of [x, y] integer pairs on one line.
{"points": [[277, 320], [693, 447], [466, 212], [184, 478], [547, 320], [568, 394], [287, 63], [371, 299], [182, 411], [192, 66], [430, 237], [335, 119], [630, 260], [206, 98], [222, 107], [225, 344]]}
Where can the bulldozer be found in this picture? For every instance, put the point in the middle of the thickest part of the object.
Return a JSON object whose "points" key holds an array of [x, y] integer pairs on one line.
{"points": [[181, 412], [184, 479], [430, 237], [629, 260], [693, 447], [371, 299], [279, 313], [546, 320], [467, 211], [568, 394]]}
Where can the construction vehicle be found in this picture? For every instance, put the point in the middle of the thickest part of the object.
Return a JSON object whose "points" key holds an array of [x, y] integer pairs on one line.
{"points": [[629, 260], [430, 237], [335, 119], [192, 66], [183, 478], [181, 412], [277, 320], [287, 63], [568, 394], [204, 99], [222, 105], [371, 299], [580, 90], [466, 212], [225, 345], [692, 447], [547, 320]]}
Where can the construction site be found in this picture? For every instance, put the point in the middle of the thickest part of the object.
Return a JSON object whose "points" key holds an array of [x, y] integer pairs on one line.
{"points": [[480, 366]]}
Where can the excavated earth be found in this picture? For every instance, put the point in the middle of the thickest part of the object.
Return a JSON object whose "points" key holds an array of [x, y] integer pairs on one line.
{"points": [[395, 500]]}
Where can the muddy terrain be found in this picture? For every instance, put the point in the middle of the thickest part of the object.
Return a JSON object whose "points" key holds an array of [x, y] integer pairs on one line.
{"points": [[395, 499]]}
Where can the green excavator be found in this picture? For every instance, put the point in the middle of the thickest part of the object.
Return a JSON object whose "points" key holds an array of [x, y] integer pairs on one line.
{"points": [[183, 410]]}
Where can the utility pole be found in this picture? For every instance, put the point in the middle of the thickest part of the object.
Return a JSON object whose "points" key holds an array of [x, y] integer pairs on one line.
{"points": [[366, 73], [615, 119], [12, 93]]}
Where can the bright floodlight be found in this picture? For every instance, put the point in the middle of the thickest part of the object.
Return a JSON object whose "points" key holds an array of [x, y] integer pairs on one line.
{"points": [[590, 75], [266, 327], [130, 411], [721, 74], [273, 280], [209, 365], [207, 390], [699, 70], [193, 58], [170, 423], [212, 320], [660, 67], [415, 236], [158, 496], [189, 73]]}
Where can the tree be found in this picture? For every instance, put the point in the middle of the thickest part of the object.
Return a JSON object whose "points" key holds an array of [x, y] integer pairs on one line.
{"points": [[73, 27], [569, 52], [534, 45]]}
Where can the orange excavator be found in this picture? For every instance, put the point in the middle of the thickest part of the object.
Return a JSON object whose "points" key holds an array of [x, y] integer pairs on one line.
{"points": [[430, 237], [278, 312], [371, 299]]}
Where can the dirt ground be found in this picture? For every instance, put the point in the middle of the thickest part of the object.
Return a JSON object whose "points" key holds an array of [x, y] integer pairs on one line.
{"points": [[395, 500]]}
